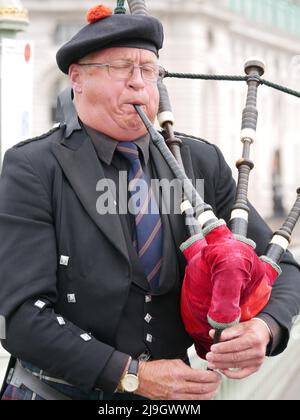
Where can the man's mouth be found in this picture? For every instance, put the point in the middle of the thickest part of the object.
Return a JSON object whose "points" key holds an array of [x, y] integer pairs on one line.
{"points": [[135, 100], [137, 103], [131, 105]]}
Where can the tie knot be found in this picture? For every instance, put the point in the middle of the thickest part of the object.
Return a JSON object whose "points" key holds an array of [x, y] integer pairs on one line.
{"points": [[129, 150]]}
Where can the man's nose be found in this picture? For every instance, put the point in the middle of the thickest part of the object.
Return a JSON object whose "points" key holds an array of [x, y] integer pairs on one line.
{"points": [[136, 79]]}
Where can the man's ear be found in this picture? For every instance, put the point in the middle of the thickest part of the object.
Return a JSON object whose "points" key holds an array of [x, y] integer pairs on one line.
{"points": [[75, 76]]}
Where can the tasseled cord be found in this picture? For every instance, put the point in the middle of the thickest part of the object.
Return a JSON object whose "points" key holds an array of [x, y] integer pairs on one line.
{"points": [[120, 9]]}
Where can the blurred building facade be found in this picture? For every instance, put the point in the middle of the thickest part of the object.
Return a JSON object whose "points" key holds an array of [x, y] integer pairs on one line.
{"points": [[204, 36], [207, 36]]}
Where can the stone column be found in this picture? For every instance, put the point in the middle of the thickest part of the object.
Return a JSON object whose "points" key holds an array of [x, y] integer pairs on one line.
{"points": [[13, 18]]}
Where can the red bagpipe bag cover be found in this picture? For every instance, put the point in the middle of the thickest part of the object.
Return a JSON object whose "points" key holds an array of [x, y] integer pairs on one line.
{"points": [[225, 282]]}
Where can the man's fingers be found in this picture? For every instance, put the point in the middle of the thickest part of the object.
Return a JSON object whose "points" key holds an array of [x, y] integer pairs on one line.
{"points": [[164, 379], [242, 347], [239, 374], [229, 333], [200, 376], [234, 365], [235, 345], [236, 357], [196, 397], [198, 389]]}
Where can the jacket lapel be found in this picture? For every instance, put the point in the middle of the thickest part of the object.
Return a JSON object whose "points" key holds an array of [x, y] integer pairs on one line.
{"points": [[187, 163], [81, 166]]}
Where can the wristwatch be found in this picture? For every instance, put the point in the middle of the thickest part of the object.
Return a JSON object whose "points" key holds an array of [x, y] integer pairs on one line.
{"points": [[130, 381]]}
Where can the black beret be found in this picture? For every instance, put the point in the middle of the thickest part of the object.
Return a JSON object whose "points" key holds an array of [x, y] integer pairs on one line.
{"points": [[118, 30]]}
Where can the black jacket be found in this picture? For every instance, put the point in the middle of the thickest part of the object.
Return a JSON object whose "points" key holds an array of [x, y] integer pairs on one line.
{"points": [[48, 210]]}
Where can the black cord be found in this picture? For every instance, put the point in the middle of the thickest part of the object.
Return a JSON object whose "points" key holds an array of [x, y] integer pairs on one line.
{"points": [[230, 79]]}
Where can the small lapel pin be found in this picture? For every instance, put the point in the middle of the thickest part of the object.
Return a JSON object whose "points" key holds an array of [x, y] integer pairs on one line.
{"points": [[64, 260]]}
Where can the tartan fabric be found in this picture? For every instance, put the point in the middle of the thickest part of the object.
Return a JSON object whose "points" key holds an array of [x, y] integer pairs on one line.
{"points": [[12, 393], [148, 237]]}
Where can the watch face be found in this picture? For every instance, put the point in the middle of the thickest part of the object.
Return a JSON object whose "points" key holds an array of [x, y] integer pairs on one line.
{"points": [[130, 383]]}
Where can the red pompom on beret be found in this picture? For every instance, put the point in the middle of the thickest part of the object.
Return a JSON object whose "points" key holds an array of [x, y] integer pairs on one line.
{"points": [[98, 12]]}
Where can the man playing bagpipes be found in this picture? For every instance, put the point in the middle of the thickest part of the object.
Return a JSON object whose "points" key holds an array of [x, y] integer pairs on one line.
{"points": [[92, 299]]}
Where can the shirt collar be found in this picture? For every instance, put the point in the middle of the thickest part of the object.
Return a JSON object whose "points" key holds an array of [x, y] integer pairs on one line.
{"points": [[66, 112], [106, 146]]}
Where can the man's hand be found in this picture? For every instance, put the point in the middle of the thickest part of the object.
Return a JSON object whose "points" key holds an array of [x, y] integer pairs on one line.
{"points": [[174, 380], [242, 346]]}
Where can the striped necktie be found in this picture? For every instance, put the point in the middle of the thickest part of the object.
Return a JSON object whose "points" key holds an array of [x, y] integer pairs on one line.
{"points": [[148, 237]]}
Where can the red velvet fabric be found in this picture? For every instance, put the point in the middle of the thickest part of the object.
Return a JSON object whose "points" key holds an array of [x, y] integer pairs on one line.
{"points": [[225, 281]]}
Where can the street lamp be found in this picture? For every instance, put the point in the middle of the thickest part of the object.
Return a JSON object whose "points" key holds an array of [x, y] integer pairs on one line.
{"points": [[13, 18]]}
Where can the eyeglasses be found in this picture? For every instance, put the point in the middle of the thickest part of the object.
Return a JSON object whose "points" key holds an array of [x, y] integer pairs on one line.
{"points": [[123, 70]]}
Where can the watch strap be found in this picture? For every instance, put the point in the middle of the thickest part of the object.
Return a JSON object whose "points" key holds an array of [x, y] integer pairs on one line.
{"points": [[133, 367]]}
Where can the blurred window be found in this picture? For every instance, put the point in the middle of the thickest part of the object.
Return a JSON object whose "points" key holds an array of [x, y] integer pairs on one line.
{"points": [[281, 14]]}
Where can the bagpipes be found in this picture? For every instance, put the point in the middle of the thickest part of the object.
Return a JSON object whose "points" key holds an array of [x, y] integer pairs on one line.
{"points": [[225, 281]]}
